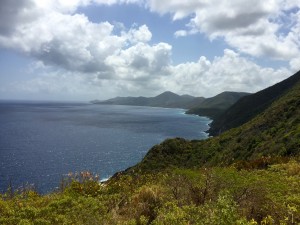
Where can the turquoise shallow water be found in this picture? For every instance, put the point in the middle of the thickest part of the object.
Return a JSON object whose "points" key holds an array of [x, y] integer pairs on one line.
{"points": [[40, 142]]}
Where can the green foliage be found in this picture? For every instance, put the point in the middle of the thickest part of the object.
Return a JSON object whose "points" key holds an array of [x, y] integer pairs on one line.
{"points": [[166, 99], [146, 202], [272, 137], [250, 106], [249, 175], [215, 106], [178, 196]]}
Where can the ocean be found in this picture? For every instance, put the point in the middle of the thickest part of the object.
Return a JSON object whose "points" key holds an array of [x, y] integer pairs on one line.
{"points": [[42, 141]]}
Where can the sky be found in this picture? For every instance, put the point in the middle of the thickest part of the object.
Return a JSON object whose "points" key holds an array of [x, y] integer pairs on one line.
{"points": [[82, 50]]}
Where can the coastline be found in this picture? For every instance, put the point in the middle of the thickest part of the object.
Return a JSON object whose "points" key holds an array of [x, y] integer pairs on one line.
{"points": [[77, 139]]}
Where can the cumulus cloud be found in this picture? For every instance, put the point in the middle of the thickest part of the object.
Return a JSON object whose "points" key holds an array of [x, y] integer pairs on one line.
{"points": [[230, 72], [252, 27], [295, 64], [142, 34], [59, 84], [141, 61], [180, 33], [11, 16], [44, 29], [52, 34], [90, 58], [111, 2]]}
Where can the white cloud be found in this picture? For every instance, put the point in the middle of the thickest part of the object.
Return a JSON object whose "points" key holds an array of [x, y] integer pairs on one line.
{"points": [[63, 6], [111, 2], [141, 61], [178, 8], [255, 28], [258, 28], [78, 57], [295, 64], [180, 33], [135, 76], [13, 12], [56, 85], [70, 41], [231, 72], [142, 34]]}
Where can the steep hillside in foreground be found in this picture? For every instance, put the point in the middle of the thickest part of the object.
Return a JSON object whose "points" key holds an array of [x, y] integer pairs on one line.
{"points": [[211, 196], [249, 106], [196, 194], [213, 107], [273, 133]]}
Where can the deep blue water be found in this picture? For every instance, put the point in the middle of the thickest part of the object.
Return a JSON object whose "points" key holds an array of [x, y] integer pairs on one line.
{"points": [[40, 142]]}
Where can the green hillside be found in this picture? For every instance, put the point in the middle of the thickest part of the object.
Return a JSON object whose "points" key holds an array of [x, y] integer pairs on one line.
{"points": [[167, 99], [214, 107], [210, 107], [249, 175], [273, 133], [249, 106]]}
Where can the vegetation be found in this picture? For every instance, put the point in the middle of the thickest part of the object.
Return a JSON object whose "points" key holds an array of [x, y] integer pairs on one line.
{"points": [[250, 106], [210, 107], [271, 136], [167, 99], [248, 175], [215, 106], [180, 196]]}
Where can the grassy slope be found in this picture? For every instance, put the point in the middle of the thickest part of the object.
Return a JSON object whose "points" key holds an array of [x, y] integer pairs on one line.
{"points": [[196, 194], [275, 132], [211, 107], [250, 106], [220, 196], [166, 99], [215, 106]]}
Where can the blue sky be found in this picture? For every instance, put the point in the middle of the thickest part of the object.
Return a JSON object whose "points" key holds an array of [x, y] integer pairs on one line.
{"points": [[97, 49]]}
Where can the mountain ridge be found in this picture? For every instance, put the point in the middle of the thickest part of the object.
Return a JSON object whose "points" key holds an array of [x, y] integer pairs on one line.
{"points": [[209, 107], [270, 136], [247, 107], [165, 99], [214, 107], [247, 175]]}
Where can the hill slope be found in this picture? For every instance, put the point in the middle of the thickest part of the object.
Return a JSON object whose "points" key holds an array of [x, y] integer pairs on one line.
{"points": [[210, 107], [272, 134], [249, 106], [213, 107], [193, 194], [171, 100], [167, 99]]}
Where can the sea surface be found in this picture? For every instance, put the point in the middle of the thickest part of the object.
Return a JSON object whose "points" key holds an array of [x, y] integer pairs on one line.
{"points": [[42, 141]]}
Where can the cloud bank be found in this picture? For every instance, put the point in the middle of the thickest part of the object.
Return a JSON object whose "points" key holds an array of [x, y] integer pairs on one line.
{"points": [[259, 28], [89, 57]]}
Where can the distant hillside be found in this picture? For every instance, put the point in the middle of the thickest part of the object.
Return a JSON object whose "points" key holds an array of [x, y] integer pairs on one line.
{"points": [[210, 107], [167, 100], [215, 106], [273, 135], [186, 182], [249, 106], [141, 101], [171, 100]]}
